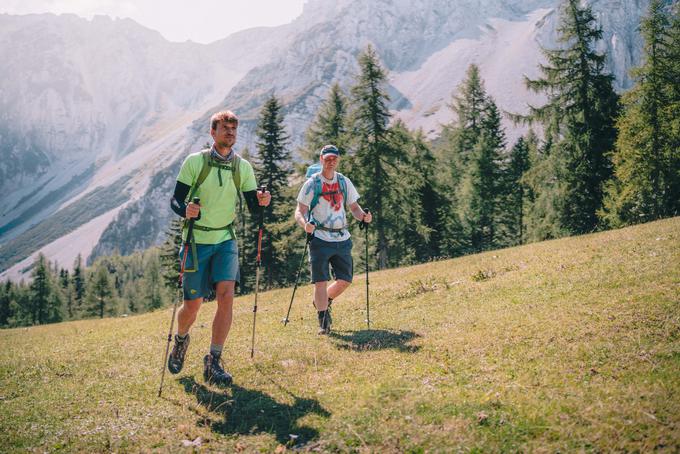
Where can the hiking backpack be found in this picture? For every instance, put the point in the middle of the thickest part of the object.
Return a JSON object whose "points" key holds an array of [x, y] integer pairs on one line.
{"points": [[318, 185]]}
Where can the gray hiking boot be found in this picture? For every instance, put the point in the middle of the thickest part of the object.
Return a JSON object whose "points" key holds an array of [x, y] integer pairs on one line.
{"points": [[214, 373], [179, 351]]}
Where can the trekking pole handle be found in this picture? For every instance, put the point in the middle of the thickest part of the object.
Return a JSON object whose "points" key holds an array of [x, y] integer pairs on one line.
{"points": [[262, 189], [364, 224], [197, 201]]}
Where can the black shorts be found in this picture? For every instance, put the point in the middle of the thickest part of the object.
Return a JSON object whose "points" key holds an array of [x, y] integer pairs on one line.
{"points": [[337, 254]]}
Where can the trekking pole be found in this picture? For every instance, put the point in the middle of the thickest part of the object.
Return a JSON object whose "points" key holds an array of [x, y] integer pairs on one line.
{"points": [[257, 272], [190, 232], [364, 226], [297, 278]]}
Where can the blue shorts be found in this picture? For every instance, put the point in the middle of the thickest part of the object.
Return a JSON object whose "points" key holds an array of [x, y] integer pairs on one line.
{"points": [[216, 262], [337, 254]]}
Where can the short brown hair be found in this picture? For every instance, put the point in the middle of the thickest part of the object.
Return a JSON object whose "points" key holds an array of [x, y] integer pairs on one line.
{"points": [[226, 116]]}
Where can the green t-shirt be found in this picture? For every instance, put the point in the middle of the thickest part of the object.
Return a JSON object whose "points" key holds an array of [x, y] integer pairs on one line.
{"points": [[218, 202]]}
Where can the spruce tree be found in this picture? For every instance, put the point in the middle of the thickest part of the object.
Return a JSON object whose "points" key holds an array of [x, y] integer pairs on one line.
{"points": [[479, 194], [428, 199], [21, 306], [79, 284], [169, 255], [274, 169], [517, 194], [45, 302], [40, 291], [247, 238], [544, 191], [154, 293], [578, 118], [5, 303], [456, 148], [469, 107], [67, 290], [328, 127], [99, 293], [373, 153], [473, 147], [646, 160]]}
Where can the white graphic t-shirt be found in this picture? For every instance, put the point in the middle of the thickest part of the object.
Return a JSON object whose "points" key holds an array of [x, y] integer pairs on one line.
{"points": [[330, 211]]}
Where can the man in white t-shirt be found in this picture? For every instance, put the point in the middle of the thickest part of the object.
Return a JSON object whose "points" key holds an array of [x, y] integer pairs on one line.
{"points": [[327, 193]]}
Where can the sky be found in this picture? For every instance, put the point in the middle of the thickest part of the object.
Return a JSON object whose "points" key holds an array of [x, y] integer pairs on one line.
{"points": [[202, 21]]}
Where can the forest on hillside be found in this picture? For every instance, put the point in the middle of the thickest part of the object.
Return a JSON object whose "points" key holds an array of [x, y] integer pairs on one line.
{"points": [[592, 160]]}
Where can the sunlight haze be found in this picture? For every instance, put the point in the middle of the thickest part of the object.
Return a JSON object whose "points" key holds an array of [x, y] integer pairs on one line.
{"points": [[201, 21]]}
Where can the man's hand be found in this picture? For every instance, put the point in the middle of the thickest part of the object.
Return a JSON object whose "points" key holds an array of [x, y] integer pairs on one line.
{"points": [[193, 209], [309, 227], [264, 198], [368, 217]]}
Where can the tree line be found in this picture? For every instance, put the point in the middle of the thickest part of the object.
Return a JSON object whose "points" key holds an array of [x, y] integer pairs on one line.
{"points": [[590, 161]]}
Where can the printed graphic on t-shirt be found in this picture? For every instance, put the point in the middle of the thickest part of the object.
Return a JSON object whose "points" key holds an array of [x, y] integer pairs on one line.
{"points": [[333, 194]]}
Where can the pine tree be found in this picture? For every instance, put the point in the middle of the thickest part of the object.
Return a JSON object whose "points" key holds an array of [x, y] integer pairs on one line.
{"points": [[469, 108], [456, 148], [153, 281], [517, 191], [544, 189], [45, 303], [274, 169], [406, 232], [21, 306], [79, 285], [40, 289], [473, 148], [328, 127], [169, 255], [646, 160], [99, 293], [479, 194], [428, 199], [578, 118], [373, 152], [67, 291], [5, 303]]}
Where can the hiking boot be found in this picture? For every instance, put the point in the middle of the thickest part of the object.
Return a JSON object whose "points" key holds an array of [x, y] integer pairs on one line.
{"points": [[214, 373], [324, 321], [179, 351]]}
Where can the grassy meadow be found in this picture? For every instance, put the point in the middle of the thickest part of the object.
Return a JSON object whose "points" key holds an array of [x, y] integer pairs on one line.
{"points": [[565, 345]]}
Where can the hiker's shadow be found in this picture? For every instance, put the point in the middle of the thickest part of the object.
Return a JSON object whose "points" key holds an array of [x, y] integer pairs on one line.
{"points": [[375, 339], [248, 412]]}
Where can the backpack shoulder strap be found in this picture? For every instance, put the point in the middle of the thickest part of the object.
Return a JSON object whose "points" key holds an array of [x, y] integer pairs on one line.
{"points": [[342, 182], [316, 181], [236, 172], [203, 174]]}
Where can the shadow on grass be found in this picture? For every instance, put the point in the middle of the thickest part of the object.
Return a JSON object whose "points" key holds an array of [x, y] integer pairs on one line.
{"points": [[375, 339], [248, 412]]}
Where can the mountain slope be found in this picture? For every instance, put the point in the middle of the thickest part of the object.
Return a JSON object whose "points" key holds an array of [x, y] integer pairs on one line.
{"points": [[426, 45], [88, 104], [109, 100], [565, 345]]}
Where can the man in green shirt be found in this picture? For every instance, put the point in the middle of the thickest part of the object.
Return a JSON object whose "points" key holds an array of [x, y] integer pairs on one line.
{"points": [[215, 263]]}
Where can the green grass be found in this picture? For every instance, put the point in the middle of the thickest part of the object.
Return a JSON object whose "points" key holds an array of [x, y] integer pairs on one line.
{"points": [[567, 345]]}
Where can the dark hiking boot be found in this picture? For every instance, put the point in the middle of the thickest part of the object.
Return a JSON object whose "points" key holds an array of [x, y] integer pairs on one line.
{"points": [[214, 373], [179, 351], [324, 321]]}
